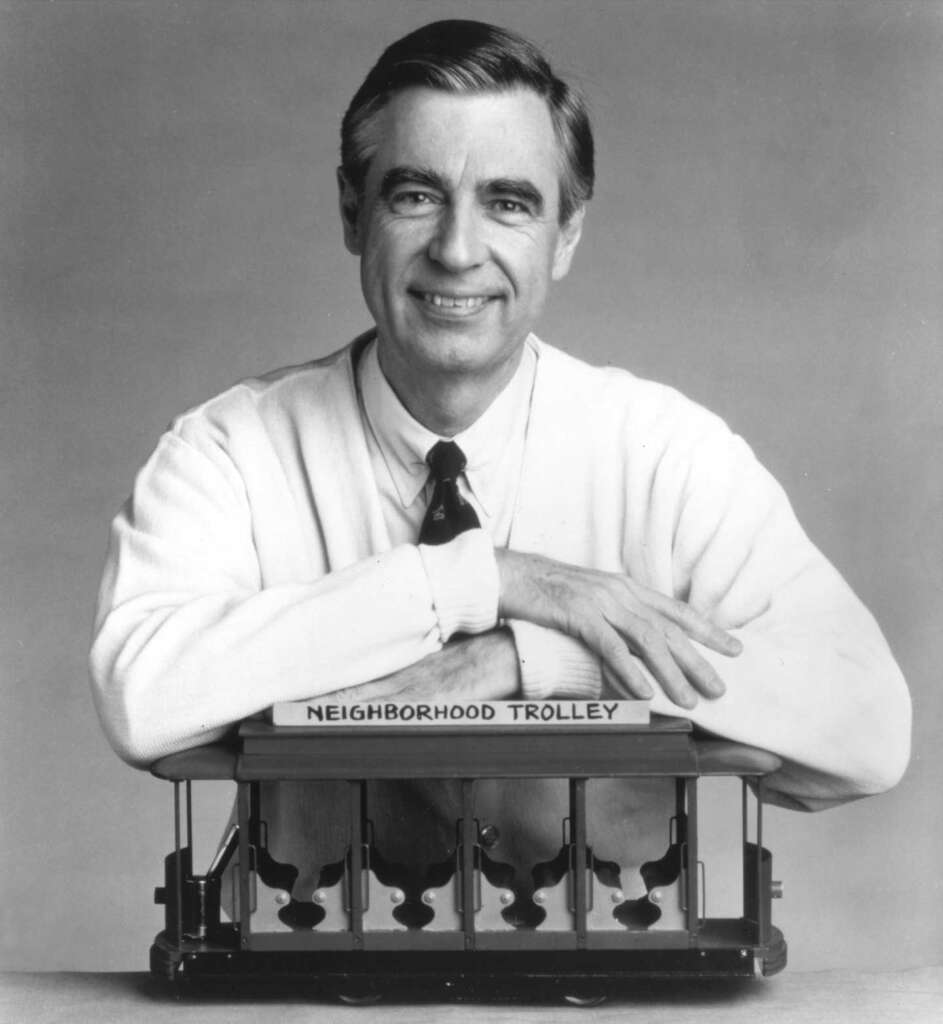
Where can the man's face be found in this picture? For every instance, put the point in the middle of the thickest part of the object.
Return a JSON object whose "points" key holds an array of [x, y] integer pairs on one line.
{"points": [[458, 232]]}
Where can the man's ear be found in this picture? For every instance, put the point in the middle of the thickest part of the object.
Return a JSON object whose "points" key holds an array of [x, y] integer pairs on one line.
{"points": [[350, 212], [567, 242]]}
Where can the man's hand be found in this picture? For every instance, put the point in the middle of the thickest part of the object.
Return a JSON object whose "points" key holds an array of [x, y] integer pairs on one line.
{"points": [[619, 620], [482, 667]]}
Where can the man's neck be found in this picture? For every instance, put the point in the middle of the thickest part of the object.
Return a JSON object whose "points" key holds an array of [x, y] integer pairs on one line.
{"points": [[447, 403]]}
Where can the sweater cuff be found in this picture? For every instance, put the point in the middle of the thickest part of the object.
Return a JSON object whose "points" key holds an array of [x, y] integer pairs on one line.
{"points": [[463, 578], [554, 665]]}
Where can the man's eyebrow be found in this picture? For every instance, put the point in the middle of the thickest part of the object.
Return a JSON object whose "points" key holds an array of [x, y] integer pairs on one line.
{"points": [[517, 188], [422, 176]]}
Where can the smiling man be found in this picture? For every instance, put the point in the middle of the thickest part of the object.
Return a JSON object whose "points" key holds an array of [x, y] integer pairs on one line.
{"points": [[449, 507], [458, 226]]}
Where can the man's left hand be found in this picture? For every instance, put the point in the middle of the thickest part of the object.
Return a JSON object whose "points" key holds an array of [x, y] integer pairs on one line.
{"points": [[482, 667]]}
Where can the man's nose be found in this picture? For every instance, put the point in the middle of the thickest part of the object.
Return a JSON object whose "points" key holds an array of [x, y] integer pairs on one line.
{"points": [[458, 243]]}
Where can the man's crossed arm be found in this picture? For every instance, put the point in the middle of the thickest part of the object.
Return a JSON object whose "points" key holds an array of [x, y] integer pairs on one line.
{"points": [[839, 716], [213, 607], [625, 624]]}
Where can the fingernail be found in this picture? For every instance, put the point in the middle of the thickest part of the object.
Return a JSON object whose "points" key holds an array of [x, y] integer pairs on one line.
{"points": [[716, 688], [735, 646]]}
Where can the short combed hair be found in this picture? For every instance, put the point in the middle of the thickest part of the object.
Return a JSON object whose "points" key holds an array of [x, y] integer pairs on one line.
{"points": [[471, 57]]}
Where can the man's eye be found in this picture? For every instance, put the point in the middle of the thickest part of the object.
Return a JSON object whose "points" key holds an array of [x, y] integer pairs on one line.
{"points": [[510, 207], [412, 201]]}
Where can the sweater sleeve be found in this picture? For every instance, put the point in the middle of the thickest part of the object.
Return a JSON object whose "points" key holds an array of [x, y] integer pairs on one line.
{"points": [[816, 682], [190, 639], [554, 666]]}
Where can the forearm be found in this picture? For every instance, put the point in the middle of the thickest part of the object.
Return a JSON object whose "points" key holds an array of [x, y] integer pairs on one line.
{"points": [[483, 667], [181, 653], [168, 670], [813, 682]]}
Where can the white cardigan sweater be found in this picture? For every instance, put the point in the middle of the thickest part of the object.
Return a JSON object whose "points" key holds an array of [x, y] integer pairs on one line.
{"points": [[251, 565]]}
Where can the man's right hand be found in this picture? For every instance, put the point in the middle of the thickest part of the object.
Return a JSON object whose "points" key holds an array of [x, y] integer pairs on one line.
{"points": [[621, 621]]}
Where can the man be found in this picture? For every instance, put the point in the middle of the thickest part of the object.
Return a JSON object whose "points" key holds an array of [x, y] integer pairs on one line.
{"points": [[282, 543]]}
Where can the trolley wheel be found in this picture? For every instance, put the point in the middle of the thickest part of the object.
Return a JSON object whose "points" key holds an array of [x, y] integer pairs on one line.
{"points": [[585, 1000]]}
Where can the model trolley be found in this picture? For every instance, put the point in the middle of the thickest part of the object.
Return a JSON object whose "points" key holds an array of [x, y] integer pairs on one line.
{"points": [[591, 939]]}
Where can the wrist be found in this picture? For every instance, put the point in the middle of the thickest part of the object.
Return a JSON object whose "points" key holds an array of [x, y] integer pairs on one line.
{"points": [[489, 660], [513, 578]]}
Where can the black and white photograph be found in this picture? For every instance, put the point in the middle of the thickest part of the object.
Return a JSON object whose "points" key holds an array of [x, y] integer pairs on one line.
{"points": [[472, 510]]}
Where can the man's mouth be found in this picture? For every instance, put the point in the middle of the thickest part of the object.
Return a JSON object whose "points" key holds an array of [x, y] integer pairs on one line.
{"points": [[455, 304]]}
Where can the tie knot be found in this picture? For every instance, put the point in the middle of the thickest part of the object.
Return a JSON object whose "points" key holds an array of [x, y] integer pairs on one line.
{"points": [[446, 460]]}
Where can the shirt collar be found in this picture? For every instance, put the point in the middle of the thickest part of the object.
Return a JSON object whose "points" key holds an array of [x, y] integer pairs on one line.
{"points": [[404, 442]]}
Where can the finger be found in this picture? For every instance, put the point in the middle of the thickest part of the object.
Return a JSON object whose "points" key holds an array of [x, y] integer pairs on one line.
{"points": [[650, 646], [699, 672], [698, 627], [624, 671], [614, 686], [644, 634]]}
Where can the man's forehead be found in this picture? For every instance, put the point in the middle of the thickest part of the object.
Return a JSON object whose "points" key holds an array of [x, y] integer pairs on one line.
{"points": [[485, 134]]}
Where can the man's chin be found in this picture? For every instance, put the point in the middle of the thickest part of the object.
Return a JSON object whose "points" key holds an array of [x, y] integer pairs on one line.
{"points": [[447, 346]]}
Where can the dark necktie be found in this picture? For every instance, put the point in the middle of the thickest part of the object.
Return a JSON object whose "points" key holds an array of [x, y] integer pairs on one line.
{"points": [[448, 513]]}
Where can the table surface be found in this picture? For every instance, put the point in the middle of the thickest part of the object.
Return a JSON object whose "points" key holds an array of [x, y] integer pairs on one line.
{"points": [[909, 997]]}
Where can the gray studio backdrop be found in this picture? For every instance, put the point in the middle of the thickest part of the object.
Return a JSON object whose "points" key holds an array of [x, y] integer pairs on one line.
{"points": [[766, 237]]}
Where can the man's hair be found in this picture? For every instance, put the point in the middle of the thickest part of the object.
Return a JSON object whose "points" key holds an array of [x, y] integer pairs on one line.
{"points": [[471, 57]]}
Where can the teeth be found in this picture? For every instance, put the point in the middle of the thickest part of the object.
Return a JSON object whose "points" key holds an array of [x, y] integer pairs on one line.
{"points": [[456, 301]]}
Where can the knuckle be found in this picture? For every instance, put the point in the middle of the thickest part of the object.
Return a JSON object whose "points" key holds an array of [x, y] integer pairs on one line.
{"points": [[650, 638], [677, 640]]}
